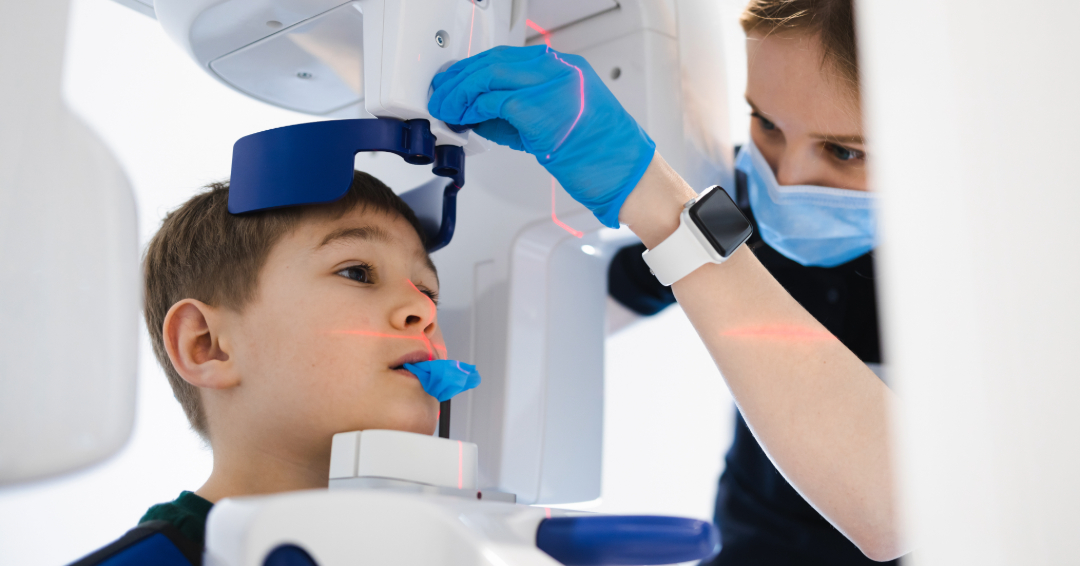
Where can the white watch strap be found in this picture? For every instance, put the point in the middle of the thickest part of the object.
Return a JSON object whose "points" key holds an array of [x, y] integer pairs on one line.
{"points": [[677, 256]]}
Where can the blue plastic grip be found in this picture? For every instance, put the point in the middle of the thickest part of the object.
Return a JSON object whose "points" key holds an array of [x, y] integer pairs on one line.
{"points": [[622, 540]]}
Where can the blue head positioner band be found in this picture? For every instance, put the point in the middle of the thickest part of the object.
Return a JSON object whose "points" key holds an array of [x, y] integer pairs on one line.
{"points": [[313, 163]]}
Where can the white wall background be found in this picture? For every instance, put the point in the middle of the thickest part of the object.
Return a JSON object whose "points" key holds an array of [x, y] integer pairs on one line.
{"points": [[668, 418]]}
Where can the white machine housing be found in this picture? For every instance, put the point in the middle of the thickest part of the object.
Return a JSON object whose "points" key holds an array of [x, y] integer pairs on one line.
{"points": [[331, 58], [395, 498], [522, 298], [69, 273]]}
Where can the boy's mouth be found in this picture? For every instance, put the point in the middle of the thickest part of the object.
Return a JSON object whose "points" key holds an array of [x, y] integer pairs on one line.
{"points": [[410, 358]]}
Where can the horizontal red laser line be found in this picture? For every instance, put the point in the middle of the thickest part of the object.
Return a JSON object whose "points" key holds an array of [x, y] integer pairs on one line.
{"points": [[423, 340], [555, 218], [781, 332]]}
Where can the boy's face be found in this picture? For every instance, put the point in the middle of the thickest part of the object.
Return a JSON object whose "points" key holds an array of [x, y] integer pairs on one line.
{"points": [[341, 304]]}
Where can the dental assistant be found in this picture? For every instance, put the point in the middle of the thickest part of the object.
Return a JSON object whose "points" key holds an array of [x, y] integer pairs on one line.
{"points": [[817, 410], [802, 181]]}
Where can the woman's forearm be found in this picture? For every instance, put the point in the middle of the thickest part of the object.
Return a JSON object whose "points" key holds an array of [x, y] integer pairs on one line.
{"points": [[817, 410]]}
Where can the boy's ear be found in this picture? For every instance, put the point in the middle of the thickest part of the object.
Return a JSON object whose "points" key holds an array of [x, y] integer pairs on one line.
{"points": [[192, 333]]}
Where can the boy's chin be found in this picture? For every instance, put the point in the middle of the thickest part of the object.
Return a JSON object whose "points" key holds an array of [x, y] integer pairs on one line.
{"points": [[421, 418]]}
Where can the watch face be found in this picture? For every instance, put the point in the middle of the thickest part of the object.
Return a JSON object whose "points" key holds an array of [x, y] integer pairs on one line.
{"points": [[719, 218]]}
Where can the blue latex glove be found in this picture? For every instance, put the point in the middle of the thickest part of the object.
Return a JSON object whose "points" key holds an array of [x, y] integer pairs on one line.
{"points": [[443, 379], [555, 107]]}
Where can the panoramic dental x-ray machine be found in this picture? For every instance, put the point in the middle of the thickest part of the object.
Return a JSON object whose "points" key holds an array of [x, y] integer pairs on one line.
{"points": [[524, 281]]}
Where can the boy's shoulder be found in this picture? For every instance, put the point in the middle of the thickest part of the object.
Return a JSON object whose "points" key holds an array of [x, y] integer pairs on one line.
{"points": [[169, 534]]}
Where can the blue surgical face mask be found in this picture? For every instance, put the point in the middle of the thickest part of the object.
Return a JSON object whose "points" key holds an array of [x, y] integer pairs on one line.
{"points": [[815, 226]]}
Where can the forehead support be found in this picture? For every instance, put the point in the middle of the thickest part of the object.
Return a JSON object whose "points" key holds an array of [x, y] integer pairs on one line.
{"points": [[313, 163]]}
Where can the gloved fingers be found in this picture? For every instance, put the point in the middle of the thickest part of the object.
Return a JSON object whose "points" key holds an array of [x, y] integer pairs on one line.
{"points": [[501, 132], [456, 96]]}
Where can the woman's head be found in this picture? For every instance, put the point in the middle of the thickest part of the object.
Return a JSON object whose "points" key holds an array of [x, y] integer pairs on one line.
{"points": [[803, 87]]}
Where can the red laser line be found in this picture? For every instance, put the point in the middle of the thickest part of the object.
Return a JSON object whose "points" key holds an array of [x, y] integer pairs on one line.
{"points": [[423, 340], [430, 301], [541, 31], [555, 218], [471, 23], [581, 107], [431, 351], [460, 465], [780, 331], [581, 79]]}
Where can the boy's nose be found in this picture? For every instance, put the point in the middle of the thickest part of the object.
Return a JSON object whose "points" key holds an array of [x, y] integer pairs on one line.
{"points": [[417, 310]]}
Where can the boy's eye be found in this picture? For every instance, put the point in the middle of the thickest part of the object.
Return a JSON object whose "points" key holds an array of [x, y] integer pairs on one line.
{"points": [[358, 273], [845, 154], [430, 294], [765, 124]]}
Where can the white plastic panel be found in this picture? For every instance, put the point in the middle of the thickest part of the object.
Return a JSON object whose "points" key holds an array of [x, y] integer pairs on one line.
{"points": [[315, 67], [208, 29], [145, 7], [69, 277], [553, 14], [371, 526], [404, 456], [402, 36], [973, 136], [553, 428]]}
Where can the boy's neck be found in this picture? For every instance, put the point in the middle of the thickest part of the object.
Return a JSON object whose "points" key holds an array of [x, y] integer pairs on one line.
{"points": [[262, 473]]}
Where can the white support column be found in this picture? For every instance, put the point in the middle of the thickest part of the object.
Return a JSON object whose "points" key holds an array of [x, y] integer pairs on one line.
{"points": [[974, 128]]}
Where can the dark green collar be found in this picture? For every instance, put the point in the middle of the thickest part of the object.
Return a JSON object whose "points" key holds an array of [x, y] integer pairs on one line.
{"points": [[187, 513]]}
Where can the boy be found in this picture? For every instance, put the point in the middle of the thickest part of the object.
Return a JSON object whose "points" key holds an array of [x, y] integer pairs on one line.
{"points": [[278, 329]]}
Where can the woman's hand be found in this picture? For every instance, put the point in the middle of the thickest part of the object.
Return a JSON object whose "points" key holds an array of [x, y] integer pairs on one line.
{"points": [[555, 107]]}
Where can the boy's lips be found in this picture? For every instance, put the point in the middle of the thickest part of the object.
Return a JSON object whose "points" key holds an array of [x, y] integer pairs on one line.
{"points": [[410, 358]]}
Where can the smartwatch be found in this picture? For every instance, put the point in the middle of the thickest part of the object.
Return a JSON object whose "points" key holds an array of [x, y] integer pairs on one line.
{"points": [[711, 228]]}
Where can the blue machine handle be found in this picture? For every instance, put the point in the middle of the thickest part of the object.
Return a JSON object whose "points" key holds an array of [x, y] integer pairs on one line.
{"points": [[614, 540]]}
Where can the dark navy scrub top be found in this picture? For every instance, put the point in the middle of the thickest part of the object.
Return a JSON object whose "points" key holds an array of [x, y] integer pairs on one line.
{"points": [[762, 519]]}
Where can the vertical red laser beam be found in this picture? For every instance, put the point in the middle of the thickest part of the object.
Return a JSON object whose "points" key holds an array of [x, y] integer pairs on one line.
{"points": [[581, 106], [472, 22], [431, 349], [540, 30], [555, 218], [581, 79], [460, 465]]}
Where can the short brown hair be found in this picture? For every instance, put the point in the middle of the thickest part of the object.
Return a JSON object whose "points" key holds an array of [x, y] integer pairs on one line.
{"points": [[205, 253], [832, 21]]}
